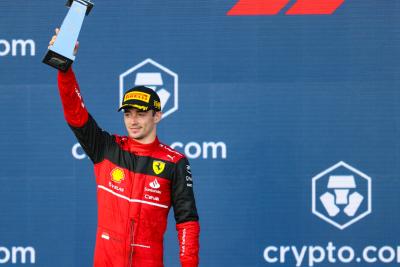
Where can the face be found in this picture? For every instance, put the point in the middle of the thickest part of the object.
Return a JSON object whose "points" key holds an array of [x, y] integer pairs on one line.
{"points": [[141, 125]]}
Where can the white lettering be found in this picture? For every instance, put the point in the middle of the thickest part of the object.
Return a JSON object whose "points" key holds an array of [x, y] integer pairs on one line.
{"points": [[183, 242], [7, 48], [7, 255], [151, 197], [317, 254], [214, 149], [17, 47], [341, 252], [192, 150], [299, 256], [331, 248], [23, 45], [75, 152], [398, 254], [365, 254], [282, 254], [381, 255], [152, 190], [267, 257], [115, 187], [197, 150], [80, 97], [23, 252], [170, 150], [17, 255], [312, 257]]}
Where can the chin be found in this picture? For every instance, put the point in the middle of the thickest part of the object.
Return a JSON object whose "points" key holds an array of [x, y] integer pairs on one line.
{"points": [[136, 136]]}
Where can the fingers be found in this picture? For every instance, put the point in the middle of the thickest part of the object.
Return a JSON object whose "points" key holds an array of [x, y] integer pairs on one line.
{"points": [[76, 47], [53, 39]]}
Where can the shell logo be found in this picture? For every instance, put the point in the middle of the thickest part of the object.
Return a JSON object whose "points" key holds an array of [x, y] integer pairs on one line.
{"points": [[117, 175]]}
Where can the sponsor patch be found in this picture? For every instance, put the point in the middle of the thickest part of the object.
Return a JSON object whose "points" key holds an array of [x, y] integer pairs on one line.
{"points": [[137, 96], [157, 104], [105, 235], [117, 175], [155, 184], [158, 166]]}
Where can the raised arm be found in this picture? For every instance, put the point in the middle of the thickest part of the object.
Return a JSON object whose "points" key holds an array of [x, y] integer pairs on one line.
{"points": [[91, 137]]}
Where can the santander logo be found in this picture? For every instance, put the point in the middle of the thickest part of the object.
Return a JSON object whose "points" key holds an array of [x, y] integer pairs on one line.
{"points": [[154, 184]]}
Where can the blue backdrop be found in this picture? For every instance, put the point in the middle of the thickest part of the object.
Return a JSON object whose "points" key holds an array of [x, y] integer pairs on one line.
{"points": [[263, 106]]}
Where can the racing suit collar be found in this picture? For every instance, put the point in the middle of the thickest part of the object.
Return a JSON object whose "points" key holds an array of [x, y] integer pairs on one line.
{"points": [[135, 146]]}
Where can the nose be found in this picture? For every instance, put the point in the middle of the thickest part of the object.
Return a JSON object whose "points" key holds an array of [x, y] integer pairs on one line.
{"points": [[133, 119]]}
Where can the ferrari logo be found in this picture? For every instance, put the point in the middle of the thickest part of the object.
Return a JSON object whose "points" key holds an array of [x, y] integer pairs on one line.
{"points": [[158, 166]]}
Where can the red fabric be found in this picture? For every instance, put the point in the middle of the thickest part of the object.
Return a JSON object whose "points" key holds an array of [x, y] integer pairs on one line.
{"points": [[257, 7], [74, 109], [188, 235], [122, 223], [133, 206], [314, 7]]}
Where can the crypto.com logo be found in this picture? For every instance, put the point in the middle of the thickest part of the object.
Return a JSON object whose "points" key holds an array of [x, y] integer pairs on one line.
{"points": [[273, 7], [155, 76], [341, 195]]}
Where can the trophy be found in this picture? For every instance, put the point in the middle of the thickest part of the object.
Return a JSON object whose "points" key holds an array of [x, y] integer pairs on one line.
{"points": [[61, 53]]}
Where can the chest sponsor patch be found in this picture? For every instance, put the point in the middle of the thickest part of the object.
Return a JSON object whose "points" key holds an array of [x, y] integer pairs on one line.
{"points": [[158, 166], [117, 175]]}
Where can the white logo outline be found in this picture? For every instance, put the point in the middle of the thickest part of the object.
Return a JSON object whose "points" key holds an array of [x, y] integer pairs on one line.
{"points": [[329, 220], [159, 66]]}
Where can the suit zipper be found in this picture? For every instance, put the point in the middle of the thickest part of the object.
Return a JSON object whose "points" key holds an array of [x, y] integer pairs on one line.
{"points": [[132, 224]]}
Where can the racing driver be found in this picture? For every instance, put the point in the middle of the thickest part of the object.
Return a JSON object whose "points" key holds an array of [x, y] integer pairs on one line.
{"points": [[138, 179]]}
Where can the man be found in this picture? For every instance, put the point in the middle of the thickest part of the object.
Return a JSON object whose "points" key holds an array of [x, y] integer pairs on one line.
{"points": [[138, 180]]}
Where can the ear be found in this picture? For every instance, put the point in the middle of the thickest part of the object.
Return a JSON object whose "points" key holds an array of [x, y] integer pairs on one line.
{"points": [[157, 117]]}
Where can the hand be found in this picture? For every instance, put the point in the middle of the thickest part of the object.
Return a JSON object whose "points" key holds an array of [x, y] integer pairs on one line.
{"points": [[53, 39]]}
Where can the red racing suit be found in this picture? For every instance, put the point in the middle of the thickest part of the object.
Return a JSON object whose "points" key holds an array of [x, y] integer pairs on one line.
{"points": [[136, 186]]}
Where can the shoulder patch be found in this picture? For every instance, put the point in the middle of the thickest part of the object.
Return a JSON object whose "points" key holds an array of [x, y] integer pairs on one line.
{"points": [[171, 154]]}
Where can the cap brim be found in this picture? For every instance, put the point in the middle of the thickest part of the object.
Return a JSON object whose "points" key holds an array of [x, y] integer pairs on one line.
{"points": [[126, 106], [122, 107]]}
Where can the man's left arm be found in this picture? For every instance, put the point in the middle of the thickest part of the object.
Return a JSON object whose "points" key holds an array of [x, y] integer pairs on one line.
{"points": [[185, 211]]}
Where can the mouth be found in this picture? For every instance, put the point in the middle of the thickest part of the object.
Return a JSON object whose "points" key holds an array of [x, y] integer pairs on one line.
{"points": [[134, 130]]}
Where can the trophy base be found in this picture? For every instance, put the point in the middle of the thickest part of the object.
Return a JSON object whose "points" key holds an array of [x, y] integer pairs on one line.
{"points": [[57, 61], [87, 3]]}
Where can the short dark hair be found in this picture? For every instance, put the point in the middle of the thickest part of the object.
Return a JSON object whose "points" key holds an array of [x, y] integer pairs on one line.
{"points": [[127, 109]]}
